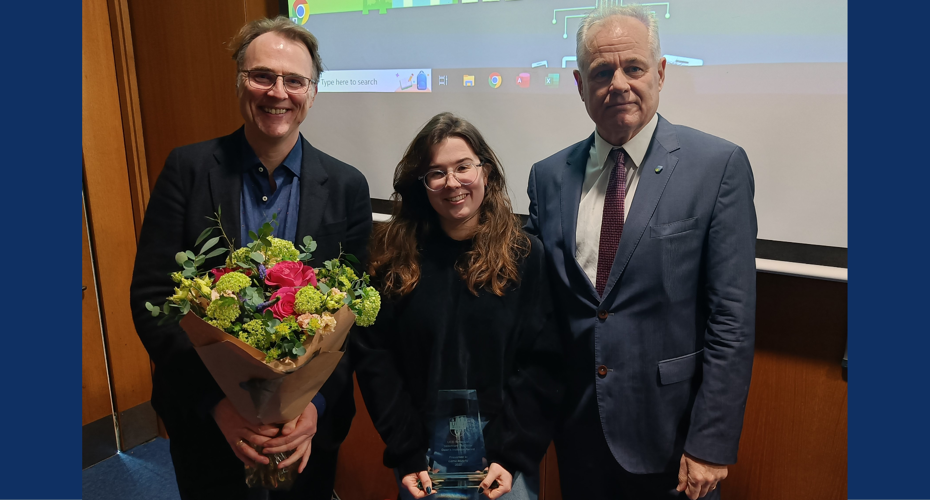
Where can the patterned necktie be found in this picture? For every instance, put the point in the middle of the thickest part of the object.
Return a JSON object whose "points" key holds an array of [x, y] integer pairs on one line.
{"points": [[612, 221]]}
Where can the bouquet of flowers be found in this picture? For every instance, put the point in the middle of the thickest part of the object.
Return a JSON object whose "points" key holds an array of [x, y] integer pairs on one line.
{"points": [[268, 326]]}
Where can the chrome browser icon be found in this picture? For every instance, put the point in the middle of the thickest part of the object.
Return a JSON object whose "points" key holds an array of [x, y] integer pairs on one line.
{"points": [[301, 11], [495, 80]]}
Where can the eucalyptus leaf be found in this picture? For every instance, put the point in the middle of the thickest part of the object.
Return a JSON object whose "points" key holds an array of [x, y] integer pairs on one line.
{"points": [[299, 350], [149, 306], [188, 272], [190, 255], [308, 239], [206, 232], [185, 307], [347, 300], [253, 236], [199, 260], [155, 312], [312, 246], [324, 288], [180, 258], [209, 244], [165, 307], [266, 241], [218, 251], [257, 257]]}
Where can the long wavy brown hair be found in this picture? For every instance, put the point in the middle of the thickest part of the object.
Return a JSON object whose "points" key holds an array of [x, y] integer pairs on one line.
{"points": [[498, 243]]}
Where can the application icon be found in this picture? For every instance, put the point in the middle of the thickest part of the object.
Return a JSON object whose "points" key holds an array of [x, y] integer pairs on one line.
{"points": [[523, 80], [302, 11], [406, 84], [552, 80], [443, 80], [468, 81], [421, 81], [494, 80]]}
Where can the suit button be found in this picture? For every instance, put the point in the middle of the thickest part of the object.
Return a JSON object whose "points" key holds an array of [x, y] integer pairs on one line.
{"points": [[602, 371], [602, 314]]}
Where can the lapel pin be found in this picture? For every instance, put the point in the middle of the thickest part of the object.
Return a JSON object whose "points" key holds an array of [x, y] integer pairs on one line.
{"points": [[659, 169]]}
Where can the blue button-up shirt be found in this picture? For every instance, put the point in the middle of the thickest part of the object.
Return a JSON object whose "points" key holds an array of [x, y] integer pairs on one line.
{"points": [[258, 202]]}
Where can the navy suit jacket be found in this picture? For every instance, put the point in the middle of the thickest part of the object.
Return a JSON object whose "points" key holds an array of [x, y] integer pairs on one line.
{"points": [[675, 327], [198, 179]]}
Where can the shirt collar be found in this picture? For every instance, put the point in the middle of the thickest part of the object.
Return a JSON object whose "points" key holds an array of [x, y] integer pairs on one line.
{"points": [[635, 148], [292, 162]]}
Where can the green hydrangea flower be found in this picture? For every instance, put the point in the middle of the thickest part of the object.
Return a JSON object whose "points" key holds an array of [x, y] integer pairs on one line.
{"points": [[334, 299], [224, 311], [308, 300], [280, 250], [232, 282], [368, 307], [253, 333], [240, 255]]}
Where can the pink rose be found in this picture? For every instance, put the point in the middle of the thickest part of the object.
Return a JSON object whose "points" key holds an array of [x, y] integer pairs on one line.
{"points": [[291, 274], [285, 306]]}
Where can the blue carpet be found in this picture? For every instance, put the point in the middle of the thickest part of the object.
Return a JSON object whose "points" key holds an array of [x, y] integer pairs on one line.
{"points": [[144, 472]]}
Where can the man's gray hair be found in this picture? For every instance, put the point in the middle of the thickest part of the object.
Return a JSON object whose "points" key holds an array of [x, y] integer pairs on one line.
{"points": [[606, 11], [282, 26]]}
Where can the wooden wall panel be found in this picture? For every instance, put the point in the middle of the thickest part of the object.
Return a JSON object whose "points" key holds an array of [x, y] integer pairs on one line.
{"points": [[185, 72], [109, 207], [360, 473], [121, 34], [794, 436]]}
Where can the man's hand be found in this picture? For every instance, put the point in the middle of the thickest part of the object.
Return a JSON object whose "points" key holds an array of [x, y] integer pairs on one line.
{"points": [[410, 481], [295, 435], [503, 478], [697, 478], [239, 433]]}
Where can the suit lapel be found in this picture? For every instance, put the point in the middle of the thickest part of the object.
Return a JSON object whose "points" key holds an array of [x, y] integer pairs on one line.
{"points": [[226, 184], [646, 198], [571, 183], [313, 194]]}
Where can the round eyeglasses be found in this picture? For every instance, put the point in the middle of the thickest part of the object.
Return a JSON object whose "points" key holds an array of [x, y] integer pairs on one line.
{"points": [[465, 174], [264, 80]]}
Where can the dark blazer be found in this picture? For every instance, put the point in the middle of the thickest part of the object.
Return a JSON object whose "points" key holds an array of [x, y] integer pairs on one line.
{"points": [[675, 328], [335, 208]]}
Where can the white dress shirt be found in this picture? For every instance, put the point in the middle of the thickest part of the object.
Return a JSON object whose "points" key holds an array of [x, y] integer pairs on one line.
{"points": [[594, 189]]}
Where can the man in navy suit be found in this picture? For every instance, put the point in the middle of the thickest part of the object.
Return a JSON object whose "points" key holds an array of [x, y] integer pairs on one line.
{"points": [[264, 168], [650, 231]]}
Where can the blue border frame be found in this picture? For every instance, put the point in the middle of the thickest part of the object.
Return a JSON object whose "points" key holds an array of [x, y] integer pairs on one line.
{"points": [[889, 345], [41, 138]]}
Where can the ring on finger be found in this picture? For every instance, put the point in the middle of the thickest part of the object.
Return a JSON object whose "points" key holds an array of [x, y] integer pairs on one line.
{"points": [[241, 441]]}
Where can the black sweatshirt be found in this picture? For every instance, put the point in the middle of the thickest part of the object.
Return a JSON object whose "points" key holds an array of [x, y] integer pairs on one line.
{"points": [[441, 336]]}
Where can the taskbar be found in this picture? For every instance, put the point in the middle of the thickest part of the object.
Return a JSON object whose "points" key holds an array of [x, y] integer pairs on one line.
{"points": [[444, 80]]}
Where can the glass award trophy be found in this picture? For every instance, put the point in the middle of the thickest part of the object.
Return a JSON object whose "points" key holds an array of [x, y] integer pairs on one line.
{"points": [[456, 456]]}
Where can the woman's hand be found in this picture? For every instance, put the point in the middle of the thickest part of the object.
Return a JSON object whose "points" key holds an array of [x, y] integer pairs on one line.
{"points": [[410, 481], [503, 478], [295, 435]]}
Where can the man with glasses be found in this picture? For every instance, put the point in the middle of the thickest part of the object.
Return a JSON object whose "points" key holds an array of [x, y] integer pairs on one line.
{"points": [[265, 168]]}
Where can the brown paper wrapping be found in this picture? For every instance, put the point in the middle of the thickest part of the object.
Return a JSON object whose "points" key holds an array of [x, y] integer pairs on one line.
{"points": [[233, 362]]}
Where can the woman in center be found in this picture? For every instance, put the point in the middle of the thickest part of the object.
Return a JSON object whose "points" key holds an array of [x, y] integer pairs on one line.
{"points": [[466, 306]]}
